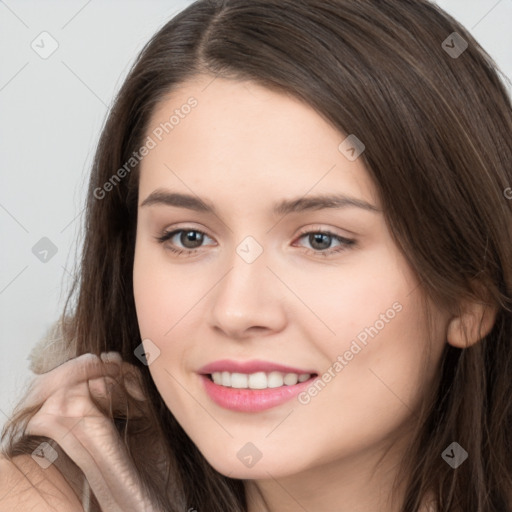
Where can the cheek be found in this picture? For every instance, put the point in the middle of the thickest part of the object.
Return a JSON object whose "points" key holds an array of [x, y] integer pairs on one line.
{"points": [[376, 362], [356, 300], [167, 301], [163, 292], [380, 368], [162, 297], [369, 390]]}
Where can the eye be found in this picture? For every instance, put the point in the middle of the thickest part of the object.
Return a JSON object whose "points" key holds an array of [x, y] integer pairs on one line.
{"points": [[191, 239], [321, 241]]}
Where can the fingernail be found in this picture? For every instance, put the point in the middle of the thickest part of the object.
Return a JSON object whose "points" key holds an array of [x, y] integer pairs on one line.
{"points": [[111, 357]]}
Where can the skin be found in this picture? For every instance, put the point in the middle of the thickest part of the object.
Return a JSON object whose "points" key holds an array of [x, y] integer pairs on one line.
{"points": [[245, 148]]}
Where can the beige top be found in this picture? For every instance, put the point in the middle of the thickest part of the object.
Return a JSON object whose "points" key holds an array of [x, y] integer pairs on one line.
{"points": [[51, 351]]}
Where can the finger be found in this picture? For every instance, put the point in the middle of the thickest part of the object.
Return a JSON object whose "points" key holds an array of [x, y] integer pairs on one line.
{"points": [[111, 397], [75, 401], [61, 431], [71, 418], [76, 370], [115, 400], [121, 398], [111, 357], [97, 449], [130, 374], [101, 390]]}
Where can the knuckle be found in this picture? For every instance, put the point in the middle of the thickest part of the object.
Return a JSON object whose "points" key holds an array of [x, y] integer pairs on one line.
{"points": [[37, 426], [66, 403]]}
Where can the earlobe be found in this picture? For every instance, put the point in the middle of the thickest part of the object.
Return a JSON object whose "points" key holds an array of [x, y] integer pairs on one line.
{"points": [[474, 323]]}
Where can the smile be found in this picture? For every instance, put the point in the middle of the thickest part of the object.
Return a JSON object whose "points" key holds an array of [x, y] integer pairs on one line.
{"points": [[258, 380], [254, 399]]}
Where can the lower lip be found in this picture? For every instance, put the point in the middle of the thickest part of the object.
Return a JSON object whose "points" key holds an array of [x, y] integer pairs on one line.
{"points": [[252, 400]]}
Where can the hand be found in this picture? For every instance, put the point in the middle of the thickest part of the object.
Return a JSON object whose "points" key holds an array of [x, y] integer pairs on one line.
{"points": [[73, 397]]}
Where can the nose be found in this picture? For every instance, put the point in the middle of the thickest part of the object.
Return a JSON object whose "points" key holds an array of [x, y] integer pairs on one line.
{"points": [[249, 300]]}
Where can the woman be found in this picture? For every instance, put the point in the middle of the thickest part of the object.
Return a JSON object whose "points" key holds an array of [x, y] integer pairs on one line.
{"points": [[295, 290]]}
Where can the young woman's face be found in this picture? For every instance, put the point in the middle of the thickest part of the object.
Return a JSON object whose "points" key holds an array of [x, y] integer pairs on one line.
{"points": [[236, 181]]}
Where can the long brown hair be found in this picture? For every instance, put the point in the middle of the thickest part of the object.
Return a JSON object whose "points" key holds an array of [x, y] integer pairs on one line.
{"points": [[438, 134]]}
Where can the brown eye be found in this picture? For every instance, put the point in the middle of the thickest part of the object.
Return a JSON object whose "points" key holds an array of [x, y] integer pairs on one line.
{"points": [[183, 240], [190, 238], [320, 242]]}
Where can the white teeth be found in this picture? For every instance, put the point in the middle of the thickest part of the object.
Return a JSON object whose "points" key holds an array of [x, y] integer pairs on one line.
{"points": [[226, 379], [239, 380], [258, 380], [290, 379], [275, 380]]}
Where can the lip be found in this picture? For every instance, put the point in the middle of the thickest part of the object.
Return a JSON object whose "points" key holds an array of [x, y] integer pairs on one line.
{"points": [[252, 400], [253, 366]]}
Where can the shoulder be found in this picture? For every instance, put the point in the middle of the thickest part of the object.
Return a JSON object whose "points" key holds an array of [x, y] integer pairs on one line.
{"points": [[24, 485]]}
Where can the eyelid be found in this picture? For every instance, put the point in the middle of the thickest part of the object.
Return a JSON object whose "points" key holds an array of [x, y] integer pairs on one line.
{"points": [[345, 242], [318, 228], [169, 233], [302, 231]]}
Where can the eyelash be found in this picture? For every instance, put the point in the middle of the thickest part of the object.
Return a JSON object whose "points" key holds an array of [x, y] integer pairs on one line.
{"points": [[346, 243]]}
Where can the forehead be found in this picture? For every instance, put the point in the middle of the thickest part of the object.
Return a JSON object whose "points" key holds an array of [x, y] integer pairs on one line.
{"points": [[225, 138]]}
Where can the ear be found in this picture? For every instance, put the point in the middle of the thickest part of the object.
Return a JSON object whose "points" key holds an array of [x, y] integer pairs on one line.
{"points": [[475, 321]]}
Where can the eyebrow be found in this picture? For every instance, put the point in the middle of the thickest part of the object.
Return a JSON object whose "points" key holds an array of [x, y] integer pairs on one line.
{"points": [[311, 203]]}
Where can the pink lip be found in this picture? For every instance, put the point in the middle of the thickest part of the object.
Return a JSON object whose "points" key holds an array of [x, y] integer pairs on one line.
{"points": [[252, 400], [256, 365]]}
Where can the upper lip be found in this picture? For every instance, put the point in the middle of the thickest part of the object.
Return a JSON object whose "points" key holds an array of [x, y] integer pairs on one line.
{"points": [[253, 366]]}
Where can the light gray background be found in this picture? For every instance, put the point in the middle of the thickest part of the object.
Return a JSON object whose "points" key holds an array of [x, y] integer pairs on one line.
{"points": [[51, 114]]}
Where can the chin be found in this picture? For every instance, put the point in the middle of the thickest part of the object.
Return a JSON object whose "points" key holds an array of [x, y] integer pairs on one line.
{"points": [[260, 470]]}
